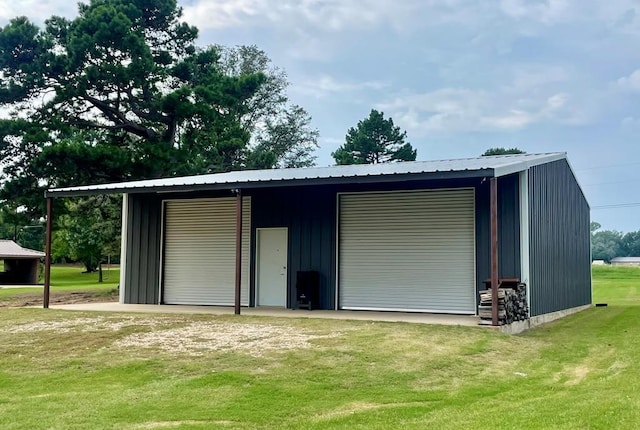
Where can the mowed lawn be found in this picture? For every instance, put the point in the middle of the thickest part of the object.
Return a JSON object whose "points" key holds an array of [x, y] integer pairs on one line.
{"points": [[70, 278], [71, 370]]}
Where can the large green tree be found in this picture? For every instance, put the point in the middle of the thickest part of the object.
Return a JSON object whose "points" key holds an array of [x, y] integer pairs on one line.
{"points": [[16, 224], [122, 88], [281, 132], [605, 244], [375, 140], [8, 226], [89, 230], [122, 92], [631, 244]]}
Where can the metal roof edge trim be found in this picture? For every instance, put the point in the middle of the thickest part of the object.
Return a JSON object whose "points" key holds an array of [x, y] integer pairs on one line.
{"points": [[337, 180], [22, 257], [520, 166]]}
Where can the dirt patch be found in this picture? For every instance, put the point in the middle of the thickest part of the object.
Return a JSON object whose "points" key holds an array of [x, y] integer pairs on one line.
{"points": [[88, 324], [198, 338], [60, 298], [573, 374], [189, 338]]}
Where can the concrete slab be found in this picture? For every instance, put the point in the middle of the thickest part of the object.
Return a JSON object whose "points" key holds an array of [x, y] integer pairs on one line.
{"points": [[418, 318], [20, 286]]}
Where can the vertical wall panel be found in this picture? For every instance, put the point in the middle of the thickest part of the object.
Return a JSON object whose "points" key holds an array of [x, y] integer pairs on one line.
{"points": [[483, 236], [508, 230], [560, 263], [143, 249], [509, 226], [309, 214]]}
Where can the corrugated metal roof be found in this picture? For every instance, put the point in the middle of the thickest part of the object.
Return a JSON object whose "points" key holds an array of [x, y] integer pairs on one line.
{"points": [[10, 249], [485, 166]]}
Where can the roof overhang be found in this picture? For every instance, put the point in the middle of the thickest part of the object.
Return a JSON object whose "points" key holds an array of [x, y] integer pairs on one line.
{"points": [[521, 166], [481, 167], [134, 188]]}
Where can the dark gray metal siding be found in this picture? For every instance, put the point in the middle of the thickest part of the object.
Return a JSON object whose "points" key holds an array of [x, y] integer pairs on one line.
{"points": [[143, 249], [508, 230], [560, 263], [509, 226], [309, 213]]}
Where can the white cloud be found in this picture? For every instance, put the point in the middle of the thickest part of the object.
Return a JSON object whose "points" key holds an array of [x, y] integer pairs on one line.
{"points": [[332, 140], [326, 15], [557, 101], [631, 82], [37, 10], [453, 110], [220, 14], [630, 122], [325, 85], [527, 77], [344, 15], [545, 11]]}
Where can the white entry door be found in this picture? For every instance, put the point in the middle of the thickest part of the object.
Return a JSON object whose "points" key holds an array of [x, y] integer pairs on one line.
{"points": [[271, 267]]}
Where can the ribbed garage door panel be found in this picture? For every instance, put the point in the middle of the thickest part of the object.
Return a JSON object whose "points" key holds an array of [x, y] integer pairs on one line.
{"points": [[409, 251], [200, 251]]}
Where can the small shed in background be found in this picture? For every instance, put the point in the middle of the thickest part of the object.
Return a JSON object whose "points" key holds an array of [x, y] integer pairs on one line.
{"points": [[625, 261], [20, 264]]}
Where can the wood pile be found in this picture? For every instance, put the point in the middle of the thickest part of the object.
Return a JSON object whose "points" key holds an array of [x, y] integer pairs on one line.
{"points": [[512, 305]]}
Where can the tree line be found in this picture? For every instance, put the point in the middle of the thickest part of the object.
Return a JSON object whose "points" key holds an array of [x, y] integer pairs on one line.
{"points": [[608, 244]]}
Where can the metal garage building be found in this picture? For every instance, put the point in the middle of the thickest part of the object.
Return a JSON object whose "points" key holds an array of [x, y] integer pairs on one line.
{"points": [[414, 236]]}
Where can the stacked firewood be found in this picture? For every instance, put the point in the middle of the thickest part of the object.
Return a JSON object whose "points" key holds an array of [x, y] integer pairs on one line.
{"points": [[512, 305]]}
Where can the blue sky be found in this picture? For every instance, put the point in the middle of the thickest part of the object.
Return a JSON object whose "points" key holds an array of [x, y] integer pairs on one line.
{"points": [[459, 76]]}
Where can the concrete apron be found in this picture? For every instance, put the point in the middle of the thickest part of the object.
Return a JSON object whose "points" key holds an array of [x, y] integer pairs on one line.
{"points": [[266, 311], [409, 317]]}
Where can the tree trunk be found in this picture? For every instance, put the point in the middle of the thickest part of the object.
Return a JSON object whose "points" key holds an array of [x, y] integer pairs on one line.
{"points": [[100, 272]]}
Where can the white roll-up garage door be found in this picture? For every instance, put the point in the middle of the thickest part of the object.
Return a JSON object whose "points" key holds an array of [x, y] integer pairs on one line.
{"points": [[200, 251], [408, 251]]}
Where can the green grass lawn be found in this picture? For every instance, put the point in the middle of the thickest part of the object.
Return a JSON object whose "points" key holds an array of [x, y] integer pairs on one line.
{"points": [[616, 284], [71, 370], [71, 278]]}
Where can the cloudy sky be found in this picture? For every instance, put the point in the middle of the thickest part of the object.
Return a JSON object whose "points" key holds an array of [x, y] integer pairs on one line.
{"points": [[459, 76]]}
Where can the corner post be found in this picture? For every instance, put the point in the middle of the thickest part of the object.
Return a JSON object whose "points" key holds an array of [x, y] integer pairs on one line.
{"points": [[47, 256], [493, 182], [238, 250], [123, 247]]}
